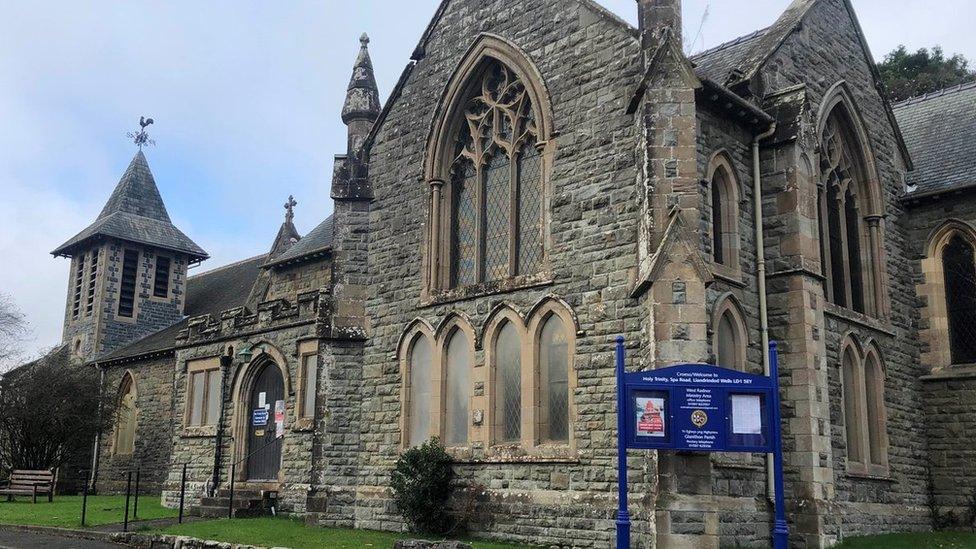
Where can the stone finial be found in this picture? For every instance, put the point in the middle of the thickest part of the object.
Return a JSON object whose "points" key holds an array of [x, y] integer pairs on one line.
{"points": [[362, 98], [290, 209]]}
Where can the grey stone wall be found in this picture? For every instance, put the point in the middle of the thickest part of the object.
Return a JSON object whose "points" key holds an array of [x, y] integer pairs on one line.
{"points": [[287, 282], [949, 393], [826, 50], [153, 442], [151, 314], [590, 64]]}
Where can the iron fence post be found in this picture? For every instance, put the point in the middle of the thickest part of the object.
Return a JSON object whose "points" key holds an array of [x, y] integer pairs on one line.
{"points": [[128, 490], [230, 505], [135, 505], [182, 492], [84, 503]]}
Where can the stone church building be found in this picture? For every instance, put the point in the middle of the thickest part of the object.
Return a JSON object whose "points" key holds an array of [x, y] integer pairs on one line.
{"points": [[543, 178]]}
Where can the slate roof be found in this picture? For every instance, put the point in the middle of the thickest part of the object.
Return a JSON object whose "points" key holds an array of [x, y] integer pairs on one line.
{"points": [[940, 131], [206, 293], [716, 64], [316, 241], [135, 212]]}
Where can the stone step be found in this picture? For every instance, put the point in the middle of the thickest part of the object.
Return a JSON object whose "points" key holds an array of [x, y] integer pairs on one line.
{"points": [[241, 493], [239, 503], [221, 512]]}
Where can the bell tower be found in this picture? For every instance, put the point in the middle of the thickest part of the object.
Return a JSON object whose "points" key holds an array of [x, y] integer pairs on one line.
{"points": [[127, 277]]}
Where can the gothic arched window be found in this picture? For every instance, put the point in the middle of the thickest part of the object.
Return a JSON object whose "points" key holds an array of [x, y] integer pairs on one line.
{"points": [[457, 389], [554, 365], [420, 364], [730, 337], [725, 212], [959, 270], [496, 183], [125, 429], [849, 220], [507, 385], [865, 413]]}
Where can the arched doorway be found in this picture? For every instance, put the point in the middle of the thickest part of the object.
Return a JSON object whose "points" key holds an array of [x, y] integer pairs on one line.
{"points": [[263, 444]]}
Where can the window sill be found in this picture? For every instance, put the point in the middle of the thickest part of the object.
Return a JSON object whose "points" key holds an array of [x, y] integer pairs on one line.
{"points": [[204, 431], [728, 274], [869, 472], [861, 319], [514, 454], [523, 282]]}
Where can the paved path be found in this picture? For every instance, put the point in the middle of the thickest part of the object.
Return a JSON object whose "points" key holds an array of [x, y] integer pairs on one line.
{"points": [[23, 540]]}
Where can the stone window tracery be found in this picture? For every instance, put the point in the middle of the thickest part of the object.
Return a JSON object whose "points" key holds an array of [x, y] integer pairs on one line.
{"points": [[496, 217], [850, 228]]}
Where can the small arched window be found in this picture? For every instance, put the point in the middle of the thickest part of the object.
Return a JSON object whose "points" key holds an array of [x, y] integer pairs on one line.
{"points": [[849, 229], [420, 361], [725, 212], [457, 389], [507, 357], [865, 413], [125, 430], [959, 270], [554, 364], [730, 337]]}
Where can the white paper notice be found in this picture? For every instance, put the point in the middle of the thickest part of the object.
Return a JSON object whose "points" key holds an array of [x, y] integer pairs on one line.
{"points": [[262, 399], [746, 415]]}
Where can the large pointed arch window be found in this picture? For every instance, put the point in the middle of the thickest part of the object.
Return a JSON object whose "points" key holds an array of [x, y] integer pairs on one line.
{"points": [[850, 218], [496, 222]]}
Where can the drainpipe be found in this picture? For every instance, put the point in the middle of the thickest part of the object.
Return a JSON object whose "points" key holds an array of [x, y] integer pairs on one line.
{"points": [[225, 363], [761, 276], [98, 433]]}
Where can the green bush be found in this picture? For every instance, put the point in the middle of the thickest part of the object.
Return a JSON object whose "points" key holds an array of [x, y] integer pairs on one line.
{"points": [[423, 481]]}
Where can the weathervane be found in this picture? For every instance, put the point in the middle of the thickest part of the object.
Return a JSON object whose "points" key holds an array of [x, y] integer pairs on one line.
{"points": [[290, 208], [142, 138]]}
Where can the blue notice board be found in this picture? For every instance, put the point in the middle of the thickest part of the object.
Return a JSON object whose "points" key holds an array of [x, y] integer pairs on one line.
{"points": [[698, 407], [259, 417]]}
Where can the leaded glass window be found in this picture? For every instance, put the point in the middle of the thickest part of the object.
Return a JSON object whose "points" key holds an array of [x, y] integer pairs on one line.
{"points": [[554, 374], [125, 431], [959, 266], [496, 183], [842, 174], [508, 385], [457, 390], [420, 362]]}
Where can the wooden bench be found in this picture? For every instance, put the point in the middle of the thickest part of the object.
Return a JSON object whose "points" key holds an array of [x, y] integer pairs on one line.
{"points": [[28, 483]]}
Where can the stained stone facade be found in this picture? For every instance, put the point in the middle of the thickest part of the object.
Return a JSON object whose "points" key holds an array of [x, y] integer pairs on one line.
{"points": [[543, 178]]}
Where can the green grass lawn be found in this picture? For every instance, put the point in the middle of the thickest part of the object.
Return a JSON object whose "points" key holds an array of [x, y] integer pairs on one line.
{"points": [[65, 511], [936, 540], [285, 532]]}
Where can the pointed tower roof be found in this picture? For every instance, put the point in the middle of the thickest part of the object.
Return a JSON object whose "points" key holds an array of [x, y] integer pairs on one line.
{"points": [[287, 235], [363, 97], [135, 212]]}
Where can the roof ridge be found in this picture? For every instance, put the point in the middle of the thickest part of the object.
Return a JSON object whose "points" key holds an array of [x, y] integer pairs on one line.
{"points": [[935, 94], [227, 266], [731, 43]]}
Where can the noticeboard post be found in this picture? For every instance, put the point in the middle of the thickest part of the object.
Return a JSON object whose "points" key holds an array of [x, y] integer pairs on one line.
{"points": [[699, 408]]}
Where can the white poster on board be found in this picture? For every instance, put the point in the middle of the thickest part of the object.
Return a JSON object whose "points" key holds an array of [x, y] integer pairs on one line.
{"points": [[746, 414]]}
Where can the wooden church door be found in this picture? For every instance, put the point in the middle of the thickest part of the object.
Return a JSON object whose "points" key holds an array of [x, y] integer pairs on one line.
{"points": [[263, 443]]}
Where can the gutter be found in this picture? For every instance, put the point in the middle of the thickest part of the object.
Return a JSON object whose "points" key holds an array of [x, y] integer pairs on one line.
{"points": [[98, 433], [761, 275]]}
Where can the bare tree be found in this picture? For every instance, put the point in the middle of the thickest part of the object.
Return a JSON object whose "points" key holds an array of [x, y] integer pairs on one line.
{"points": [[49, 409], [13, 330]]}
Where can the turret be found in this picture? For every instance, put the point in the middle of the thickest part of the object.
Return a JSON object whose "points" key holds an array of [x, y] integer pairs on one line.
{"points": [[128, 268]]}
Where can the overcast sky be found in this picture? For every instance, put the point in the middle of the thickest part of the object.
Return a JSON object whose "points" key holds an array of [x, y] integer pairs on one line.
{"points": [[246, 98]]}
